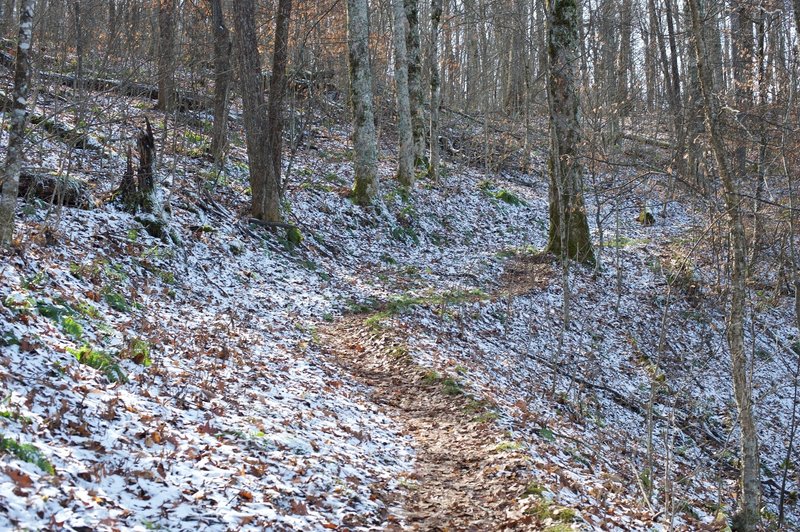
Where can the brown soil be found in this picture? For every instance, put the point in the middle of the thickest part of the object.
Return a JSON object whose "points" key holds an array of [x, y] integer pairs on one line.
{"points": [[469, 475]]}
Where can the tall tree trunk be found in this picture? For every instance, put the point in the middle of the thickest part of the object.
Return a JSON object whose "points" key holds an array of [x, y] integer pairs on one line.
{"points": [[624, 63], [277, 90], [9, 180], [748, 518], [365, 142], [742, 58], [222, 79], [673, 76], [263, 181], [166, 55], [405, 155], [569, 228], [436, 19], [4, 17], [415, 91]]}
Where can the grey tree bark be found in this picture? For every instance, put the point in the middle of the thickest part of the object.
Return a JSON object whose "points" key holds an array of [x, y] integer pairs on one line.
{"points": [[749, 516], [569, 228], [365, 144], [405, 155], [436, 19], [415, 91], [166, 54], [9, 180], [222, 79], [263, 181], [277, 89]]}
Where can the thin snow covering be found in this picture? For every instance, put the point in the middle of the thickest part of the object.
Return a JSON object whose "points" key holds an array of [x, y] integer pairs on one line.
{"points": [[242, 421], [233, 425]]}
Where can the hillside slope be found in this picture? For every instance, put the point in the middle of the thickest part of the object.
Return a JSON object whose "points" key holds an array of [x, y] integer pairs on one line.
{"points": [[241, 381]]}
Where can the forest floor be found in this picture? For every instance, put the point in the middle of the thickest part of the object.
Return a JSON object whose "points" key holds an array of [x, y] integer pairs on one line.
{"points": [[404, 367]]}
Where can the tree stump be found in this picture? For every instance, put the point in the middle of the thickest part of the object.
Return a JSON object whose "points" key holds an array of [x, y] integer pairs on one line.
{"points": [[138, 190]]}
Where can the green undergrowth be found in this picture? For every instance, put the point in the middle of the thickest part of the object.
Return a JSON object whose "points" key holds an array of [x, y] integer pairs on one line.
{"points": [[560, 518], [101, 361], [520, 251], [403, 303], [450, 386], [506, 196], [27, 453]]}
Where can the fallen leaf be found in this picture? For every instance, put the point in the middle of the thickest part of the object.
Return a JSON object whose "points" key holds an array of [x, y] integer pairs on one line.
{"points": [[299, 508], [20, 479]]}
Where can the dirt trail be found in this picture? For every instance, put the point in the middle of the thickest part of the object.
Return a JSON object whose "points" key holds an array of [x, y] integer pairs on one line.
{"points": [[469, 475]]}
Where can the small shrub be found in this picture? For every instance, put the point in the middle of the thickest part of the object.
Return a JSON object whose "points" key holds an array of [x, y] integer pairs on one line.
{"points": [[452, 387], [487, 417], [53, 311], [534, 488], [87, 310], [19, 303], [138, 350], [116, 300], [431, 377], [8, 338], [100, 361], [35, 282], [508, 197], [27, 453], [508, 446], [72, 327]]}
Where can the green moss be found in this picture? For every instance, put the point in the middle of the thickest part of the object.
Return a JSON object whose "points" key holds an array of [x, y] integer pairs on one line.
{"points": [[508, 446], [27, 453], [16, 416], [533, 488], [486, 417]]}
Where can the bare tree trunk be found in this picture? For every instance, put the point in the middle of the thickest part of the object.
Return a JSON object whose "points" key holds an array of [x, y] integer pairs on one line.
{"points": [[277, 90], [222, 79], [405, 155], [749, 516], [166, 54], [436, 19], [673, 76], [365, 142], [4, 17], [624, 63], [9, 180], [263, 181], [415, 91], [742, 57], [569, 228]]}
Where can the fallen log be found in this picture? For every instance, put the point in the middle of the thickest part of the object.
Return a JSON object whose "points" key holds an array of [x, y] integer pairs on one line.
{"points": [[185, 101], [658, 143], [7, 60], [71, 136], [48, 186]]}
